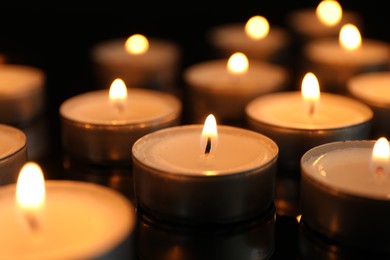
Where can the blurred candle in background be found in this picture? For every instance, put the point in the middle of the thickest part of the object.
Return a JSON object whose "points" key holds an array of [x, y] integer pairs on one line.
{"points": [[336, 60], [143, 62], [373, 89], [223, 87], [256, 38], [324, 20]]}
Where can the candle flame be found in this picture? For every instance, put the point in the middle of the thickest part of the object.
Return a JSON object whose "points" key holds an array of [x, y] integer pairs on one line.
{"points": [[30, 188], [349, 37], [209, 137], [137, 44], [118, 94], [329, 12], [257, 27], [380, 157], [310, 91], [238, 63]]}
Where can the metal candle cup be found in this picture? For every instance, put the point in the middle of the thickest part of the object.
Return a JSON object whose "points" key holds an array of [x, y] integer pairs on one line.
{"points": [[13, 153], [340, 197], [282, 117], [174, 180], [95, 132], [21, 93]]}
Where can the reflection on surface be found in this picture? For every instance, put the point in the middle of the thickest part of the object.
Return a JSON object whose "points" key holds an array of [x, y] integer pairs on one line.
{"points": [[287, 194], [117, 178], [313, 245], [158, 239]]}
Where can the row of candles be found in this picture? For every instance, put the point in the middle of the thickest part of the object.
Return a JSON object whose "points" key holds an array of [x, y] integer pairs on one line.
{"points": [[205, 173]]}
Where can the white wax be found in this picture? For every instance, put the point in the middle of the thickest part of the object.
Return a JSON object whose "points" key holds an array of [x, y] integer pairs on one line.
{"points": [[177, 150], [232, 37], [347, 169], [305, 22], [287, 109], [113, 51], [373, 87], [80, 221], [330, 52], [142, 105], [214, 75], [19, 80], [11, 140]]}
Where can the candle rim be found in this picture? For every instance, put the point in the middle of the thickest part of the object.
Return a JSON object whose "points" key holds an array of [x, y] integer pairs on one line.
{"points": [[354, 85], [35, 84], [176, 110], [191, 175], [20, 144], [255, 119], [316, 151]]}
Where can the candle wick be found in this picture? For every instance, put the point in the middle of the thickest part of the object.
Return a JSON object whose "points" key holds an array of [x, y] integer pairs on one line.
{"points": [[311, 108], [208, 146], [379, 170], [32, 222]]}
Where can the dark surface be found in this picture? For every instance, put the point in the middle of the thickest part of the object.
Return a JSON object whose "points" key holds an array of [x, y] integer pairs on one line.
{"points": [[59, 41]]}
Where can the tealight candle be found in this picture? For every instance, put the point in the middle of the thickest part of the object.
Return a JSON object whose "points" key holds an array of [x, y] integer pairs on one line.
{"points": [[345, 193], [60, 219], [223, 87], [337, 60], [300, 120], [373, 89], [13, 153], [325, 20], [256, 38], [100, 126], [180, 173], [22, 97], [139, 61]]}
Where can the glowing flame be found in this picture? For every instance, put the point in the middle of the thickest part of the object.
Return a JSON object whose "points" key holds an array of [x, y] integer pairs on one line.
{"points": [[118, 94], [380, 156], [298, 218], [238, 63], [209, 138], [137, 44], [329, 12], [349, 37], [257, 27], [310, 91], [30, 188]]}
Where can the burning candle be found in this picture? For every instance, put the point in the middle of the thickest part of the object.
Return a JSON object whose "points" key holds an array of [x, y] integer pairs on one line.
{"points": [[139, 61], [63, 219], [234, 81], [181, 174], [101, 126], [21, 93], [372, 88], [337, 60], [300, 120], [325, 20], [345, 193], [13, 153], [256, 38]]}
